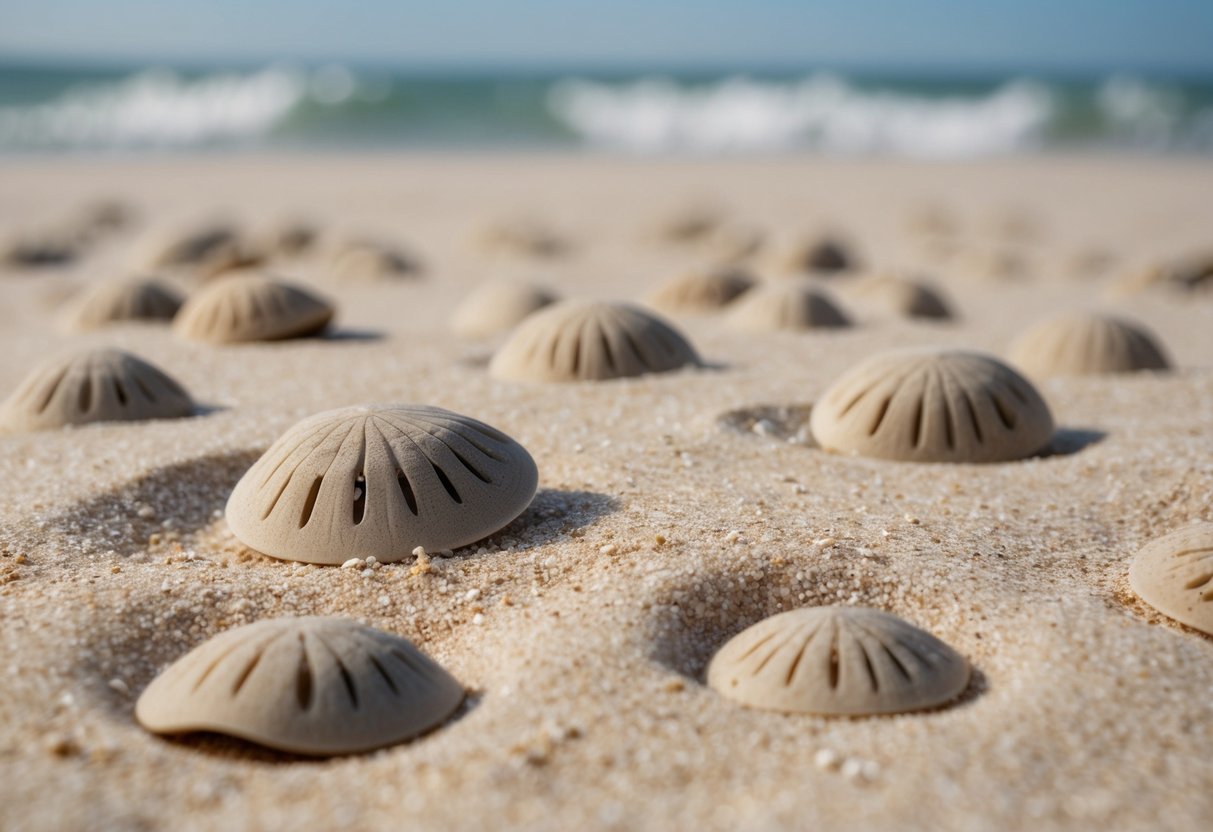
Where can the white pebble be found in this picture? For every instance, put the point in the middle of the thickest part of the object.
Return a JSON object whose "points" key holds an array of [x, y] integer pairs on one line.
{"points": [[608, 549], [478, 618], [471, 595], [352, 563], [120, 686], [852, 769]]}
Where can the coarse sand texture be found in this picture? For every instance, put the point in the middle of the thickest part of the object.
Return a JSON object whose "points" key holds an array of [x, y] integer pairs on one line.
{"points": [[121, 301], [837, 661], [251, 307], [380, 480], [101, 385], [309, 685], [930, 405], [1086, 344], [588, 341], [1174, 574]]}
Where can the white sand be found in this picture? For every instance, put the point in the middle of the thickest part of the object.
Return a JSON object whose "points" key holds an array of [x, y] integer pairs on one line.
{"points": [[1087, 710]]}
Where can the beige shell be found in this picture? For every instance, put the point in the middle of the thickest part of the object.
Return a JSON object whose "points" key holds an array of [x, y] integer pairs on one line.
{"points": [[116, 301], [365, 261], [844, 661], [791, 306], [824, 255], [251, 307], [931, 405], [522, 237], [1174, 574], [1086, 344], [702, 291], [100, 385], [380, 480], [193, 245], [901, 296], [309, 685], [498, 306], [580, 341]]}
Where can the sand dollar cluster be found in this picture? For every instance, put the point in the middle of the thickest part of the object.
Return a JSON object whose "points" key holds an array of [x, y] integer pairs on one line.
{"points": [[380, 480], [308, 685], [589, 341], [251, 307], [930, 405], [837, 661], [1086, 344], [1174, 574], [99, 385]]}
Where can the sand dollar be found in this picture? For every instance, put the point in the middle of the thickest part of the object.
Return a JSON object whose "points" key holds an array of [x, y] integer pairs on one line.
{"points": [[117, 301], [901, 296], [586, 341], [791, 306], [380, 480], [365, 261], [251, 307], [1086, 344], [701, 291], [1174, 574], [837, 661], [100, 385], [498, 306], [932, 405], [310, 685], [823, 255]]}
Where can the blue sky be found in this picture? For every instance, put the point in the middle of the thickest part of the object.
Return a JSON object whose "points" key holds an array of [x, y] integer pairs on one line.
{"points": [[1079, 35]]}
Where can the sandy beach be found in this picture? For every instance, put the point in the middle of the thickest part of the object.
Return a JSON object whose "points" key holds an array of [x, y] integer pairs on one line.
{"points": [[582, 630]]}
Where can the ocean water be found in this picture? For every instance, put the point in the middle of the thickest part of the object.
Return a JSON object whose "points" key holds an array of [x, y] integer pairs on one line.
{"points": [[61, 109]]}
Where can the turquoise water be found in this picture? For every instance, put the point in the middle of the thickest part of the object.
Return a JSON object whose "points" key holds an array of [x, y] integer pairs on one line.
{"points": [[52, 109]]}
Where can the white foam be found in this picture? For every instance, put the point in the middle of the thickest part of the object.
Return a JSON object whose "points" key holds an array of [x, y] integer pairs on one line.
{"points": [[821, 112], [157, 108]]}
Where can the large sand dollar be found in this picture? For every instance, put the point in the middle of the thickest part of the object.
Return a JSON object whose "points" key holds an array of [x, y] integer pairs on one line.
{"points": [[380, 480], [837, 661], [1174, 574], [932, 405], [1086, 344], [588, 341], [100, 385], [310, 685]]}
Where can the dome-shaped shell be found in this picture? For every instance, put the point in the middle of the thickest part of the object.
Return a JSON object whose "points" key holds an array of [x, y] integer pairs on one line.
{"points": [[791, 306], [192, 245], [100, 385], [366, 261], [701, 291], [579, 341], [115, 301], [837, 661], [932, 406], [1086, 344], [498, 306], [901, 296], [380, 480], [824, 255], [251, 307], [310, 685], [1174, 574]]}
